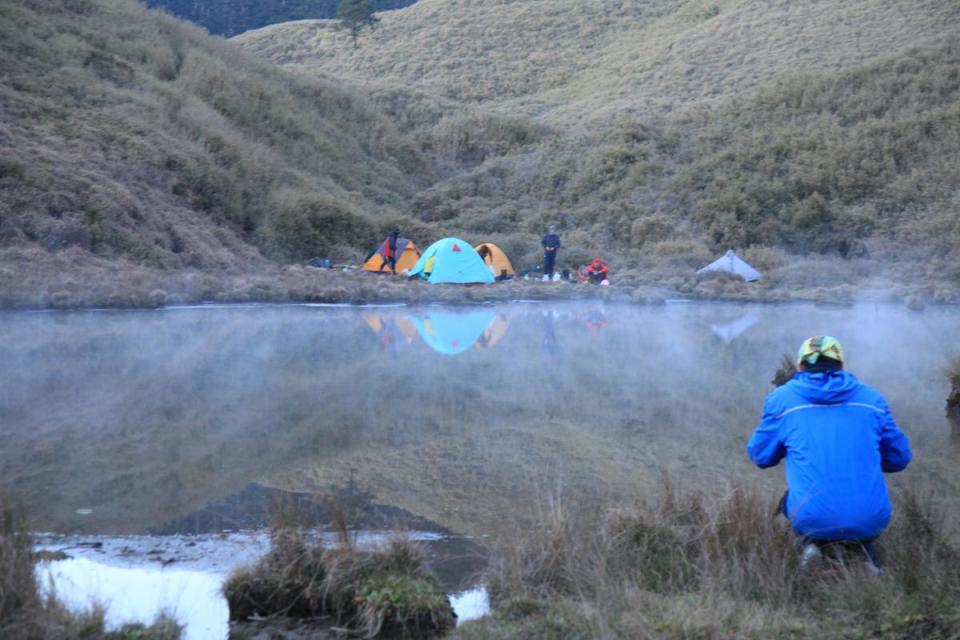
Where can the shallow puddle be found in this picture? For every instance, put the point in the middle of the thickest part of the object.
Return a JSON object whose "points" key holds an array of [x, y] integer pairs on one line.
{"points": [[135, 578]]}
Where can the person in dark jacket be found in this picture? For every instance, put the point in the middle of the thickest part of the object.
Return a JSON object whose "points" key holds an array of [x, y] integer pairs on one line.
{"points": [[839, 438], [390, 251], [550, 244]]}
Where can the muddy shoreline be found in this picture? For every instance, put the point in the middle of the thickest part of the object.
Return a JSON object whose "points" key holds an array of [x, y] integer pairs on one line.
{"points": [[119, 289]]}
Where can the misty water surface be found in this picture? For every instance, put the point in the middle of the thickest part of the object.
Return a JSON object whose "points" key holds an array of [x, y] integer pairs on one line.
{"points": [[121, 421]]}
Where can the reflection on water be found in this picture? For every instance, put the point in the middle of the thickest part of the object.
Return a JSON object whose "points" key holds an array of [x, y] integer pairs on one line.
{"points": [[447, 332], [122, 422], [731, 330], [189, 420]]}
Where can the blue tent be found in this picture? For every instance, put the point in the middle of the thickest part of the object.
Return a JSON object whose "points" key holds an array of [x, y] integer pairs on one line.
{"points": [[451, 260], [452, 333]]}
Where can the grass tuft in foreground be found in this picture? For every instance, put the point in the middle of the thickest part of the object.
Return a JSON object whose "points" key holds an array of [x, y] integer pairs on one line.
{"points": [[953, 399], [785, 370], [716, 564], [25, 612], [381, 593]]}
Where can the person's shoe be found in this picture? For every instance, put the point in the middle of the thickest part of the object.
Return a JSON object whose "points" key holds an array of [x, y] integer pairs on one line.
{"points": [[810, 555], [546, 278], [556, 277]]}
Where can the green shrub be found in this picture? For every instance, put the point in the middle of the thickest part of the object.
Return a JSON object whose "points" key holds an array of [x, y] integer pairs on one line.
{"points": [[386, 593], [300, 228]]}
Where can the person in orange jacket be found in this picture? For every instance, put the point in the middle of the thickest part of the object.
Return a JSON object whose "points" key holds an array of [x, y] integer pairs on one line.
{"points": [[598, 272]]}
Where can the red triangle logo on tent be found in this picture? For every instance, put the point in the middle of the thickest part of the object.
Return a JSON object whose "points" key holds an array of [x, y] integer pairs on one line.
{"points": [[456, 247]]}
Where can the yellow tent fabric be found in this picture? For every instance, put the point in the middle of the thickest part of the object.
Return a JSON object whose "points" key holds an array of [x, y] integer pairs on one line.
{"points": [[409, 254], [496, 259], [494, 332], [379, 324]]}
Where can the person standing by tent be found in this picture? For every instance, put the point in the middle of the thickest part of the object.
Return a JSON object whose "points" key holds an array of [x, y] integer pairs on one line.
{"points": [[550, 244], [839, 438], [390, 251], [487, 257]]}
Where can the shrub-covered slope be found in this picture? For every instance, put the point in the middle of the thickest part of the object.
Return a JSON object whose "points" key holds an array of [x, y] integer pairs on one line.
{"points": [[129, 135], [661, 133]]}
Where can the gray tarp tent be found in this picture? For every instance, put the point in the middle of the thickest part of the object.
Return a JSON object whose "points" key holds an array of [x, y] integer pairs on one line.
{"points": [[731, 263]]}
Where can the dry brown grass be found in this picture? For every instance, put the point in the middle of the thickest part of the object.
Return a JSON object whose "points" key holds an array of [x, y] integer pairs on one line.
{"points": [[383, 593], [815, 139], [718, 563], [785, 370], [669, 132], [605, 57], [131, 135], [953, 399]]}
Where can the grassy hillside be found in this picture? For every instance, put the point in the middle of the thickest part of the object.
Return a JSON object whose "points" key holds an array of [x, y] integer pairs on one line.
{"points": [[133, 137], [659, 134], [819, 140], [576, 58]]}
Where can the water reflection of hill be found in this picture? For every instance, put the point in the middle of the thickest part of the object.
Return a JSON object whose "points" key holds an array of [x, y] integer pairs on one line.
{"points": [[144, 417]]}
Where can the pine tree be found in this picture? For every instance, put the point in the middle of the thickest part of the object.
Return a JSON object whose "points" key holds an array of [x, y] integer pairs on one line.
{"points": [[355, 15]]}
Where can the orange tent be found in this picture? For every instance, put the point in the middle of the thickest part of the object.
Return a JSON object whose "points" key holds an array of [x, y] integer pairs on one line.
{"points": [[407, 256], [379, 324], [496, 259], [494, 332]]}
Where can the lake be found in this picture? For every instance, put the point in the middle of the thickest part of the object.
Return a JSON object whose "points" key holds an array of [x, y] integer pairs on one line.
{"points": [[455, 423]]}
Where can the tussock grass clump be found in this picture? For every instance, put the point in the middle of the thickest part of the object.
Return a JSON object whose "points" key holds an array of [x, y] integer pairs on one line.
{"points": [[953, 399], [718, 564], [785, 371], [25, 612], [381, 593]]}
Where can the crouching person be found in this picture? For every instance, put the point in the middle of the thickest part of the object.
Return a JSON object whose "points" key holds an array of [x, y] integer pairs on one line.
{"points": [[839, 438]]}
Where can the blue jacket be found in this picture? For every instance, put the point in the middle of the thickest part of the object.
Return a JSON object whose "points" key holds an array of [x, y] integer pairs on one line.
{"points": [[838, 437]]}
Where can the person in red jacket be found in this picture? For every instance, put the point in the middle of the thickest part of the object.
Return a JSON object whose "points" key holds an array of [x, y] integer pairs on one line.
{"points": [[389, 252], [598, 272]]}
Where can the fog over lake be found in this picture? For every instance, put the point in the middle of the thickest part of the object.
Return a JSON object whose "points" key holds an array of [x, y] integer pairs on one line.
{"points": [[118, 422]]}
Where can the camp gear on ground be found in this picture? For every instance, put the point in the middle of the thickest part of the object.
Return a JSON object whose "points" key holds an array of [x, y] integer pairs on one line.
{"points": [[732, 263], [405, 253], [813, 348], [839, 438], [496, 259], [451, 260]]}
